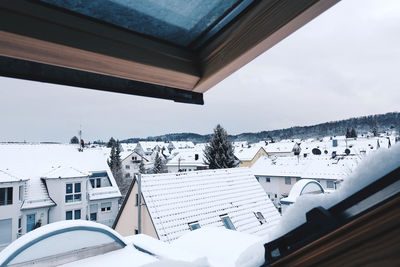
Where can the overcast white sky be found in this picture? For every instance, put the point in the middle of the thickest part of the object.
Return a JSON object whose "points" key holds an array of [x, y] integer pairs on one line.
{"points": [[343, 64]]}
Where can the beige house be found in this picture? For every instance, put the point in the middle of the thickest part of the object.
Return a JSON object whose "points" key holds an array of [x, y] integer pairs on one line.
{"points": [[176, 203], [248, 156]]}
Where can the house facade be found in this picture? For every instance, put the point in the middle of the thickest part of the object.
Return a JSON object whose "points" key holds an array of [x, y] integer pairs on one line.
{"points": [[277, 175], [187, 160], [54, 183]]}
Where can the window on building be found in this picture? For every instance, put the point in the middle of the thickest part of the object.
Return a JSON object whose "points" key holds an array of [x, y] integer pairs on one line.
{"points": [[329, 184], [73, 192], [21, 193], [227, 222], [194, 225], [19, 226], [95, 183], [93, 216], [268, 180], [93, 212], [127, 175], [137, 200], [127, 167], [260, 217], [106, 206], [6, 196], [73, 214], [68, 215], [77, 214], [276, 196], [288, 180], [5, 231]]}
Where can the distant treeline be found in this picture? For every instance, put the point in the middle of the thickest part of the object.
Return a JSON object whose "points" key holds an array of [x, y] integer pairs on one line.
{"points": [[373, 123]]}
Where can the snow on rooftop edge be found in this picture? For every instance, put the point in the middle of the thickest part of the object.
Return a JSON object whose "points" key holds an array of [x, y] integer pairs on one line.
{"points": [[374, 166]]}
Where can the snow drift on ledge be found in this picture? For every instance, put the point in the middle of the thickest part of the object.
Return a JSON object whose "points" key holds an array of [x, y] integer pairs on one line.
{"points": [[375, 166]]}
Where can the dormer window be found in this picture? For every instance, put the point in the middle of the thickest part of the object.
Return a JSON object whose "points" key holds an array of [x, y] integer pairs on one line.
{"points": [[95, 182]]}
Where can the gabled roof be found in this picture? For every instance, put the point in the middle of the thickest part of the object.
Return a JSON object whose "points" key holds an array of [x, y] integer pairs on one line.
{"points": [[187, 157], [280, 147], [64, 172], [247, 153], [318, 167], [6, 177], [176, 199]]}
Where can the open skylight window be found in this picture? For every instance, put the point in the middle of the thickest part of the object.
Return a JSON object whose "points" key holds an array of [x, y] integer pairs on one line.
{"points": [[182, 22]]}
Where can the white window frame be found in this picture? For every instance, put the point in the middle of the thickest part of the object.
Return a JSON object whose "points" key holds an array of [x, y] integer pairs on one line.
{"points": [[73, 193]]}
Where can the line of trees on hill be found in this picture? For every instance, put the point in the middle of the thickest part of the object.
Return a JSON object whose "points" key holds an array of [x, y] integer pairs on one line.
{"points": [[373, 123]]}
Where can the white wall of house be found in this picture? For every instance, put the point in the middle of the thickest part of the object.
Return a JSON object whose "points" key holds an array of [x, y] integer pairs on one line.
{"points": [[9, 215], [175, 168], [104, 214], [38, 214], [57, 192]]}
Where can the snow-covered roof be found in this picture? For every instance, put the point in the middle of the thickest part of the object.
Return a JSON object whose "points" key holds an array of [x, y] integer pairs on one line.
{"points": [[187, 157], [6, 177], [128, 147], [35, 161], [375, 166], [64, 172], [247, 153], [103, 246], [279, 147], [181, 144], [315, 167], [148, 146], [176, 199], [103, 193]]}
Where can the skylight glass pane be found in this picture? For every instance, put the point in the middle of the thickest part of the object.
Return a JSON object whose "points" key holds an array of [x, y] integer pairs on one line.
{"points": [[178, 21]]}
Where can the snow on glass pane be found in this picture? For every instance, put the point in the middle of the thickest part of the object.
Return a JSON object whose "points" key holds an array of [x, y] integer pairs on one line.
{"points": [[71, 241]]}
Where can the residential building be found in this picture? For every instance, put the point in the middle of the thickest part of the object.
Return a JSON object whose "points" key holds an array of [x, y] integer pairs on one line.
{"points": [[277, 175], [176, 203], [12, 193], [180, 145], [41, 184], [130, 162], [249, 155], [187, 160]]}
